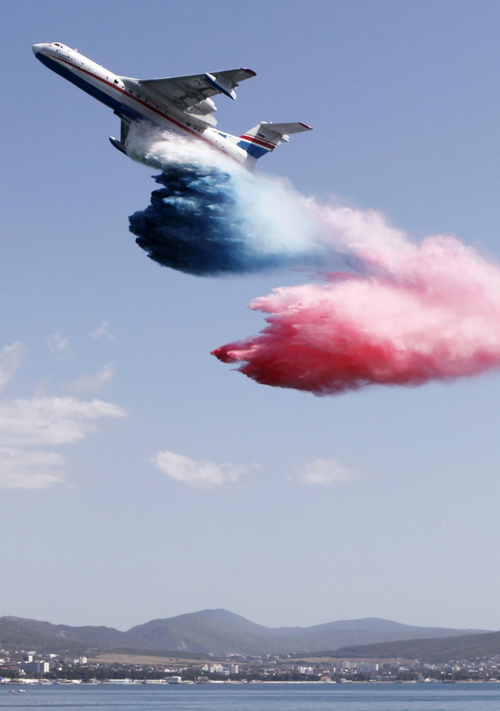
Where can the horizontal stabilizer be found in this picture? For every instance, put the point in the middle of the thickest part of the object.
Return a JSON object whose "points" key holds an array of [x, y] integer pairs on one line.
{"points": [[283, 129], [271, 135]]}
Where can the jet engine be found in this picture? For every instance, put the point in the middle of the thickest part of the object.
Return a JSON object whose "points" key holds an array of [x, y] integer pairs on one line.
{"points": [[206, 106]]}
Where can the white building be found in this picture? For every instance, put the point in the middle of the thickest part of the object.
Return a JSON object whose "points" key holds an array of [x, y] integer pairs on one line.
{"points": [[37, 667], [215, 669], [305, 670], [364, 667], [348, 664]]}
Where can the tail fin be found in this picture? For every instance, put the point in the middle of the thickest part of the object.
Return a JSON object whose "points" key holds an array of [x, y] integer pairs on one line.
{"points": [[266, 136]]}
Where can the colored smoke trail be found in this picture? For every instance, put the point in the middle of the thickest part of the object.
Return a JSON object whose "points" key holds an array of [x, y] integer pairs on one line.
{"points": [[431, 313], [400, 313], [211, 216]]}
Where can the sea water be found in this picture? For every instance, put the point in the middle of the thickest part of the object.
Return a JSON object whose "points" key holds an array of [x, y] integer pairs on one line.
{"points": [[257, 697]]}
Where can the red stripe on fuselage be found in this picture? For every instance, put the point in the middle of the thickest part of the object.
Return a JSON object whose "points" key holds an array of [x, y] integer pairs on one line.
{"points": [[259, 141]]}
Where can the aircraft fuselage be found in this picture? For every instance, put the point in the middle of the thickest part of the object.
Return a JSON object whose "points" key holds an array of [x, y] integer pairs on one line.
{"points": [[132, 101]]}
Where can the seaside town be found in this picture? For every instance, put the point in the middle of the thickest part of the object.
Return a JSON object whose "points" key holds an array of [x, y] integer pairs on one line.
{"points": [[28, 667]]}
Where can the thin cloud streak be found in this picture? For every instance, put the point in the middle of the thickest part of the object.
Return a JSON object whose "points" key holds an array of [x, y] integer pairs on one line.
{"points": [[47, 422], [324, 472], [58, 344], [51, 420], [201, 474], [94, 381], [103, 331], [21, 469], [10, 360]]}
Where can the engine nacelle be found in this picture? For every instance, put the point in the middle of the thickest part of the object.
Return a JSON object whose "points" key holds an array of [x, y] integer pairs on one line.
{"points": [[206, 106]]}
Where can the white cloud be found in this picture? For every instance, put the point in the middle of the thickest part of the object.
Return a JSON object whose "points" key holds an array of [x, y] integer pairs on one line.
{"points": [[327, 471], [21, 469], [58, 344], [206, 475], [10, 359], [46, 422], [51, 420], [103, 330], [94, 381]]}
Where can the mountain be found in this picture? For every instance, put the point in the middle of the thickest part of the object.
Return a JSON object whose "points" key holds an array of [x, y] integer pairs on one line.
{"points": [[21, 633], [211, 631], [223, 632], [428, 650]]}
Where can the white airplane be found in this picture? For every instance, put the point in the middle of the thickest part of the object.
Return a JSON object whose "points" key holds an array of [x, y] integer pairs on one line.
{"points": [[180, 104]]}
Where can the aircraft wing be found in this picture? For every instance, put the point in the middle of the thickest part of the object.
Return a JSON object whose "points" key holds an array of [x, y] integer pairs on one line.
{"points": [[193, 88]]}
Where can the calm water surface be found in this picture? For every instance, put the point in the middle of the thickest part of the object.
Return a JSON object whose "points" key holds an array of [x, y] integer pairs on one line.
{"points": [[259, 697]]}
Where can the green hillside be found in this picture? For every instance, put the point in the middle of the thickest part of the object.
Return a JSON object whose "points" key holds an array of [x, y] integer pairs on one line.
{"points": [[427, 650]]}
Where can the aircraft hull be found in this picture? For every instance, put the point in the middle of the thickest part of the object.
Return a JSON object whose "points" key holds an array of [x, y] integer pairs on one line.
{"points": [[179, 104], [106, 87]]}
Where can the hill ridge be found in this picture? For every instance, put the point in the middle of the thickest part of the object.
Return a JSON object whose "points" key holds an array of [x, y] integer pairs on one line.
{"points": [[435, 650], [216, 631]]}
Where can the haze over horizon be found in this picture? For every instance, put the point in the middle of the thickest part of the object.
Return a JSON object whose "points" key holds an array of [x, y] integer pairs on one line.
{"points": [[139, 477]]}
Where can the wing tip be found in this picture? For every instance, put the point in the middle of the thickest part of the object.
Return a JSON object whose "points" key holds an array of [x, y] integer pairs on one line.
{"points": [[249, 71], [308, 128]]}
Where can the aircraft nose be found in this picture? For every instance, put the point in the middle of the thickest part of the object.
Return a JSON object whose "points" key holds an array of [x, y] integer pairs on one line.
{"points": [[37, 48]]}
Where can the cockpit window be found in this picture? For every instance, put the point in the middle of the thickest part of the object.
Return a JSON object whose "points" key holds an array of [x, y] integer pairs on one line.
{"points": [[56, 44]]}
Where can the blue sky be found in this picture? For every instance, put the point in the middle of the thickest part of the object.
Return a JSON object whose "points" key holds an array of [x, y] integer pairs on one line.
{"points": [[404, 101]]}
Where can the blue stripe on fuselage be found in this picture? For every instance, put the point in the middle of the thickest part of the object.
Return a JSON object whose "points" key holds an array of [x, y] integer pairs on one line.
{"points": [[80, 82], [253, 149]]}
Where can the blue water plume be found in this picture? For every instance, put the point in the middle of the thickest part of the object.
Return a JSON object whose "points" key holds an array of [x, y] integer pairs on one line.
{"points": [[206, 220]]}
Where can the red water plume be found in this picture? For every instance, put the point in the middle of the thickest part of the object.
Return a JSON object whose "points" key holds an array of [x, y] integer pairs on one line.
{"points": [[418, 313]]}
